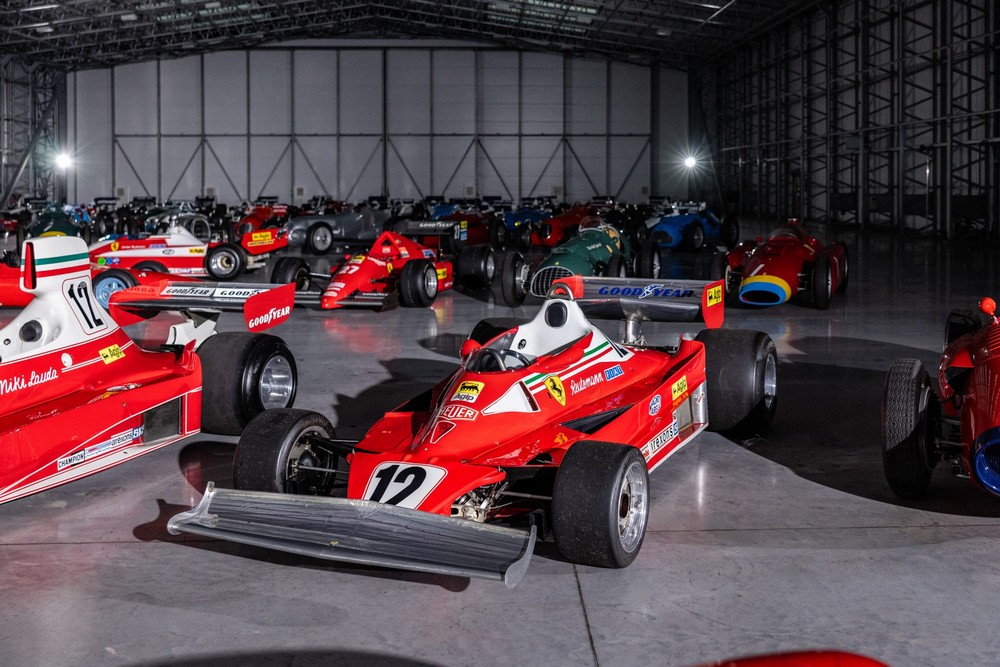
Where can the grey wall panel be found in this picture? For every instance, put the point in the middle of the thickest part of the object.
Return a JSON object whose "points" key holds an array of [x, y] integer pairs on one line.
{"points": [[315, 91], [630, 97], [360, 168], [541, 94], [454, 166], [226, 168], [137, 165], [498, 167], [315, 160], [408, 93], [136, 99], [180, 96], [270, 92], [673, 144], [454, 92], [180, 167], [361, 92], [586, 97], [226, 93], [586, 168], [270, 167], [94, 138], [629, 178], [407, 174], [499, 96], [542, 167]]}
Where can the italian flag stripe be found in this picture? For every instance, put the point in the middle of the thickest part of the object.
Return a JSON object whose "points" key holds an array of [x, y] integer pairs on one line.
{"points": [[572, 369], [80, 257]]}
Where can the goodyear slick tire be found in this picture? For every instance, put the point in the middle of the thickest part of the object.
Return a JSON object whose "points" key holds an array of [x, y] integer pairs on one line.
{"points": [[150, 265], [291, 270], [512, 288], [908, 426], [108, 282], [271, 448], [234, 366], [225, 262], [417, 289], [741, 380]]}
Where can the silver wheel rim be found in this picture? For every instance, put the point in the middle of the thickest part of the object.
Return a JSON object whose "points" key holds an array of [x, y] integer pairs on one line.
{"points": [[491, 267], [633, 507], [770, 381], [322, 238], [697, 236], [656, 263], [290, 469], [829, 283], [276, 383], [106, 288], [431, 281], [223, 262]]}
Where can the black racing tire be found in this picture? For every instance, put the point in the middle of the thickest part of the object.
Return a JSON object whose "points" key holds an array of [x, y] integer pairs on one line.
{"points": [[617, 266], [109, 281], [477, 264], [271, 449], [201, 229], [499, 235], [87, 234], [694, 237], [22, 236], [822, 282], [291, 270], [741, 380], [225, 262], [961, 322], [244, 374], [150, 265], [729, 233], [524, 237], [717, 269], [513, 289], [596, 484], [418, 284], [126, 225], [319, 238], [488, 329], [648, 262], [639, 234], [842, 287], [909, 422]]}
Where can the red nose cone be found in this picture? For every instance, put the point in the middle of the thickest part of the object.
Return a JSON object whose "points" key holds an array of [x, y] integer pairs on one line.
{"points": [[988, 305]]}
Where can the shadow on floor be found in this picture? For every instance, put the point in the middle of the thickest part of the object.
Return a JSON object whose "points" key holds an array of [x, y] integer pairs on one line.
{"points": [[284, 657]]}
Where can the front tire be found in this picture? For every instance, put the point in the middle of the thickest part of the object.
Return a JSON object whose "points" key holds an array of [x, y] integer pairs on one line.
{"points": [[617, 266], [600, 504], [730, 232], [319, 238], [110, 281], [272, 447], [418, 284], [648, 262], [477, 262], [244, 374], [499, 235], [150, 265], [291, 270], [741, 380], [908, 427], [225, 262], [822, 282], [694, 237], [513, 286]]}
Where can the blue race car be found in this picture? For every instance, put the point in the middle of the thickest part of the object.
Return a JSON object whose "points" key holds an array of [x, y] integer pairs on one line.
{"points": [[691, 226]]}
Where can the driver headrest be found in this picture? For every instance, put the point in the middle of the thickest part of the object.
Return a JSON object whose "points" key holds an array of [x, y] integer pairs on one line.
{"points": [[47, 262]]}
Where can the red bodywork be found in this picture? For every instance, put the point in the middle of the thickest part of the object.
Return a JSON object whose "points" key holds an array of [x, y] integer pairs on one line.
{"points": [[773, 271], [367, 279], [262, 217], [802, 659], [473, 226], [554, 231], [12, 296]]}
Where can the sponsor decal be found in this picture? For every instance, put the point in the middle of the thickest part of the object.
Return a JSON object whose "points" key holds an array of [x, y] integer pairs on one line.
{"points": [[468, 391], [236, 292], [594, 246], [177, 290], [151, 245], [266, 318], [561, 438], [357, 259], [428, 254], [123, 438], [556, 389], [679, 388], [442, 274], [459, 412], [656, 291], [586, 383], [404, 253], [660, 439], [196, 251], [654, 405], [111, 354], [261, 236], [168, 251], [613, 372], [714, 295], [114, 246], [22, 381], [386, 249], [101, 261]]}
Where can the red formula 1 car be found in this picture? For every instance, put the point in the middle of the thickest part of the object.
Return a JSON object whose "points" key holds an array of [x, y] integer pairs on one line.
{"points": [[179, 252], [547, 422], [960, 423], [788, 263], [80, 396], [395, 270]]}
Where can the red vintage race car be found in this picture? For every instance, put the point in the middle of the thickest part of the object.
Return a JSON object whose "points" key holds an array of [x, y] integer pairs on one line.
{"points": [[396, 270], [789, 263], [179, 252], [546, 423], [80, 396], [960, 423]]}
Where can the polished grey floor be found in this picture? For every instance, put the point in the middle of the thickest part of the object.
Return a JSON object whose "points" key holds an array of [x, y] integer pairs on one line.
{"points": [[789, 542]]}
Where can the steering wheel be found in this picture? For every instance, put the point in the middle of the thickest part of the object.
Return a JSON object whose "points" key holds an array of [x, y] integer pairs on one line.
{"points": [[493, 357]]}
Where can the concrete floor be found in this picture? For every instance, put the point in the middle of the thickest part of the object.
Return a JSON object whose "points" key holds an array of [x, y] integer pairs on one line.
{"points": [[789, 542]]}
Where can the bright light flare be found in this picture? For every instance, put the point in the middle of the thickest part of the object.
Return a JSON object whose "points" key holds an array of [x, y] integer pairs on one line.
{"points": [[690, 162], [64, 161]]}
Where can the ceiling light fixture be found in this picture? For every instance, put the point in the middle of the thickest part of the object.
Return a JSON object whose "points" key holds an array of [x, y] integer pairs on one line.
{"points": [[128, 18], [44, 29], [213, 5]]}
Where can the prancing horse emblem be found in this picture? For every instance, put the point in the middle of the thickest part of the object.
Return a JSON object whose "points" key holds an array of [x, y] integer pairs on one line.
{"points": [[555, 387]]}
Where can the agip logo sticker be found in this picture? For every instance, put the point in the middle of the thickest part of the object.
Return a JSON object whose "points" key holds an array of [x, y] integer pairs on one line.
{"points": [[111, 354], [468, 391], [679, 388], [714, 295], [556, 389]]}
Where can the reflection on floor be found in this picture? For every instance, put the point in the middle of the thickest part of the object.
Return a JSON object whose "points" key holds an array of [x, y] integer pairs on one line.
{"points": [[791, 541]]}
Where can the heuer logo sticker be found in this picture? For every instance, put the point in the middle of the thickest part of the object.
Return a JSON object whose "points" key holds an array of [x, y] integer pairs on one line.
{"points": [[468, 392], [715, 295], [460, 412], [613, 372], [659, 440], [556, 389], [654, 405], [679, 388], [111, 354]]}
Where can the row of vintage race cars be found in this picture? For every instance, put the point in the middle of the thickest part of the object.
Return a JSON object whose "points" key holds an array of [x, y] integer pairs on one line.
{"points": [[446, 482]]}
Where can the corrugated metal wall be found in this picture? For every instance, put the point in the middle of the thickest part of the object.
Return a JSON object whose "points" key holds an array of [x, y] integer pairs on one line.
{"points": [[352, 122]]}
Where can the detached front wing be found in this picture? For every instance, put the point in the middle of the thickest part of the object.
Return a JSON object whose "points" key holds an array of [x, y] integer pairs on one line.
{"points": [[361, 531]]}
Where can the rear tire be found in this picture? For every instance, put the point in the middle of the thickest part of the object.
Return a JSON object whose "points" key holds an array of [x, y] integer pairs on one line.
{"points": [[418, 284], [319, 238], [694, 237], [617, 266], [244, 374], [512, 287], [108, 282], [741, 380], [499, 235], [477, 262], [730, 232], [908, 427], [648, 262], [150, 265], [291, 270], [822, 282], [600, 504], [225, 262], [271, 449]]}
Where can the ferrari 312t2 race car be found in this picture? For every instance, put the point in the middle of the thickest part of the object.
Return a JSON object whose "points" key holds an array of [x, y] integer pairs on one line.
{"points": [[546, 423], [80, 396]]}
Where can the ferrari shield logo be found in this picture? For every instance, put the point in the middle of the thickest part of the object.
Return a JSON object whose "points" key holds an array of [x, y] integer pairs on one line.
{"points": [[555, 387]]}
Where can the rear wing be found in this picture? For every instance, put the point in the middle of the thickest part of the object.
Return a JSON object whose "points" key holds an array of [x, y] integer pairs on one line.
{"points": [[428, 228], [263, 305], [636, 300]]}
